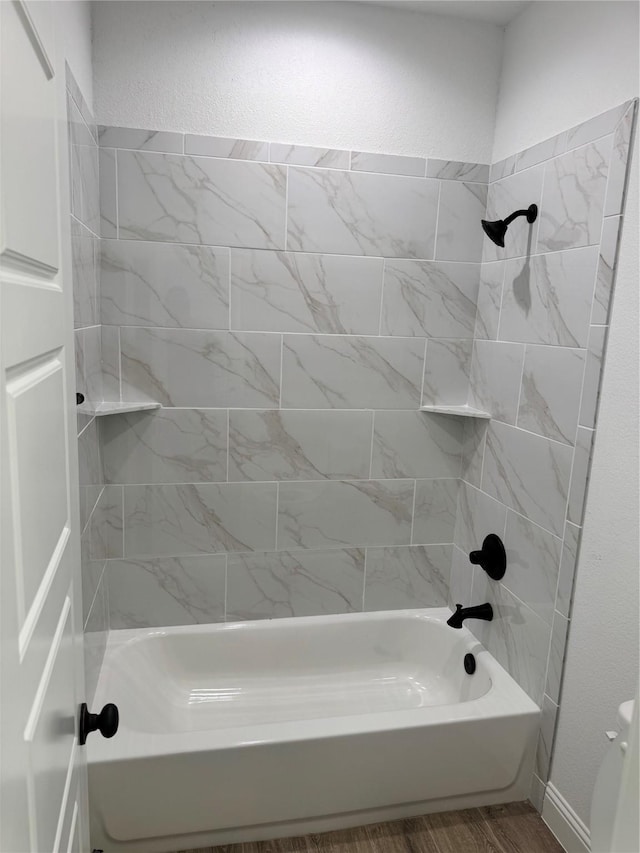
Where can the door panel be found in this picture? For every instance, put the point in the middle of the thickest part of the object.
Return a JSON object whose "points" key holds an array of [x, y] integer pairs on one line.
{"points": [[43, 798]]}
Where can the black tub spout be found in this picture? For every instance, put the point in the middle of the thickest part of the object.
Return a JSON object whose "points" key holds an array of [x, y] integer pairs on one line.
{"points": [[481, 611]]}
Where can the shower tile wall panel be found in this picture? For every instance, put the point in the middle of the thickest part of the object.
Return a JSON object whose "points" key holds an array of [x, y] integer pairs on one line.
{"points": [[98, 517], [278, 302], [540, 334]]}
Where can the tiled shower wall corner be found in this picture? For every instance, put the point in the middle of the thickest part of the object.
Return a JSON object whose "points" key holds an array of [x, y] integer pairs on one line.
{"points": [[278, 302], [85, 246], [543, 313]]}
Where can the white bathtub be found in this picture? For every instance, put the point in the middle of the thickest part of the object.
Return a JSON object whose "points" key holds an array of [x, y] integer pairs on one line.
{"points": [[264, 729]]}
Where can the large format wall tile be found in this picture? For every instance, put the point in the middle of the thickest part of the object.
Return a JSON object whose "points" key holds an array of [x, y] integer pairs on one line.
{"points": [[580, 475], [361, 214], [140, 140], [295, 583], [616, 184], [108, 202], [573, 199], [180, 367], [429, 298], [434, 513], [221, 146], [547, 298], [200, 200], [288, 292], [447, 369], [550, 396], [454, 170], [160, 284], [593, 370], [478, 516], [489, 300], [606, 270], [299, 445], [460, 236], [305, 155], [334, 514], [399, 578], [415, 444], [514, 192], [496, 371], [390, 164], [203, 518], [165, 446], [351, 372], [528, 473], [166, 591], [85, 253]]}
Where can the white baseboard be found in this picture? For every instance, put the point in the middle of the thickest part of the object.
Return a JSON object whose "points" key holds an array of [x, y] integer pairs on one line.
{"points": [[565, 824]]}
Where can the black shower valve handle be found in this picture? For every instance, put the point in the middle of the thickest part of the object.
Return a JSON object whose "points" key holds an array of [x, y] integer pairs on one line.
{"points": [[492, 557]]}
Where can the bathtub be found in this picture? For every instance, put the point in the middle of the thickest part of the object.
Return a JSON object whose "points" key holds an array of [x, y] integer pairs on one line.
{"points": [[259, 730]]}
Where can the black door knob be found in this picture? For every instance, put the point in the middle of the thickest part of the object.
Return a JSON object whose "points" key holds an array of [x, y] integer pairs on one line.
{"points": [[492, 558], [106, 722], [79, 398]]}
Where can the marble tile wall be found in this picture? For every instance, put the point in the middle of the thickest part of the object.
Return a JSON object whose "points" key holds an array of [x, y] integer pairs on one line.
{"points": [[535, 366], [85, 257], [279, 302]]}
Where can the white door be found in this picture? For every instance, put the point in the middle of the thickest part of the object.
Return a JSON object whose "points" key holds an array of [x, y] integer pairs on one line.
{"points": [[42, 768]]}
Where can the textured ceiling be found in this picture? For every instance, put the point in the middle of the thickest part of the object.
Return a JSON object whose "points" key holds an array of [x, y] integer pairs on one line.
{"points": [[494, 11]]}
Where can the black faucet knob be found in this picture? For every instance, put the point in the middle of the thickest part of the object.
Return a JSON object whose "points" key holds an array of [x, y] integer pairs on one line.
{"points": [[492, 557]]}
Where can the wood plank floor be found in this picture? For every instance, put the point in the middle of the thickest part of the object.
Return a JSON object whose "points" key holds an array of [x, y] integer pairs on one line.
{"points": [[513, 828]]}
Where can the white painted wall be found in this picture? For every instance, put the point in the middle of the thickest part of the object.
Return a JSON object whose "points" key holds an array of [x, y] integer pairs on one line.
{"points": [[335, 74], [75, 27], [563, 63]]}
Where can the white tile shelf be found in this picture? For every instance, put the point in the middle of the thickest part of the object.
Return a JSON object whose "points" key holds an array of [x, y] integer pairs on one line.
{"points": [[117, 408], [464, 411]]}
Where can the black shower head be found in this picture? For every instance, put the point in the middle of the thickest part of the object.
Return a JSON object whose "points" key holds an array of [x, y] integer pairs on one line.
{"points": [[496, 230]]}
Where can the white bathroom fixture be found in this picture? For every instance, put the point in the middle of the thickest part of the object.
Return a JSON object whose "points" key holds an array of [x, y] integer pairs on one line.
{"points": [[266, 729]]}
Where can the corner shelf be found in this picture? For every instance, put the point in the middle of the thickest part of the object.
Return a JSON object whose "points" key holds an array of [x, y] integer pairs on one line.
{"points": [[118, 408], [463, 411]]}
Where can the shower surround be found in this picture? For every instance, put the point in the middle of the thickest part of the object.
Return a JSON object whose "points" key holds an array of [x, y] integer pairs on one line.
{"points": [[291, 308]]}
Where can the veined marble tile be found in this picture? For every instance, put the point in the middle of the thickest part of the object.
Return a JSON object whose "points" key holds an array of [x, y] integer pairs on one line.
{"points": [[96, 630], [447, 370], [165, 446], [351, 372], [517, 637], [502, 169], [618, 166], [166, 591], [496, 371], [511, 193], [90, 470], [551, 387], [591, 387], [140, 140], [473, 441], [399, 578], [389, 164], [547, 299], [294, 583], [289, 292], [454, 170], [110, 344], [459, 234], [203, 518], [171, 198], [556, 656], [478, 515], [545, 738], [73, 89], [299, 445], [334, 514], [533, 560], [573, 198], [105, 525], [460, 579], [361, 214], [221, 146], [84, 249], [489, 300], [580, 475], [88, 367], [163, 284], [528, 473], [305, 155], [594, 128], [204, 369], [434, 515], [567, 568], [429, 298], [83, 169], [416, 444], [606, 271], [541, 151], [108, 202], [91, 573]]}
